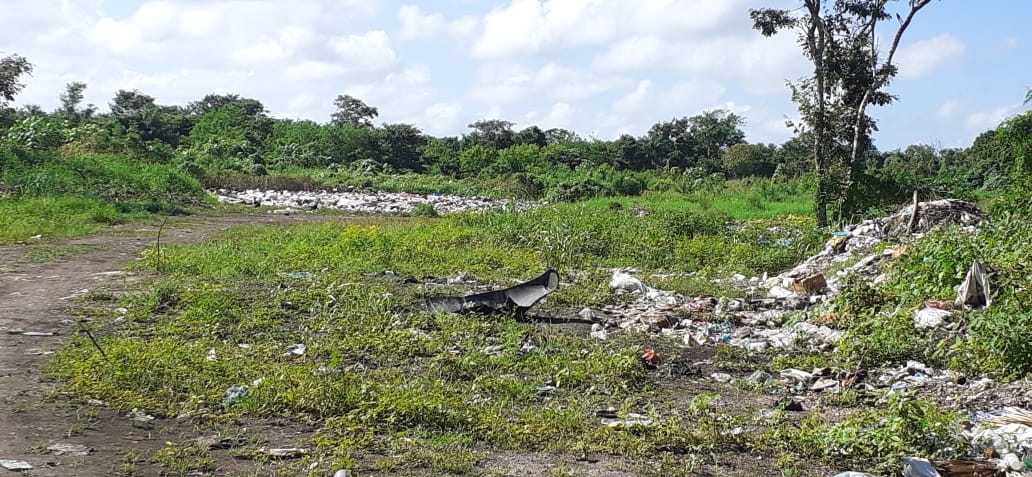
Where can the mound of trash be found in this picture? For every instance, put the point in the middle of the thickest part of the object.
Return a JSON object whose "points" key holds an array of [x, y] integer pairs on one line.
{"points": [[363, 202]]}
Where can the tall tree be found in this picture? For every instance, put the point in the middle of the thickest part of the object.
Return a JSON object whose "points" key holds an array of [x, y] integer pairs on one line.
{"points": [[494, 133], [714, 132], [850, 72], [12, 67], [71, 98], [352, 111], [212, 102]]}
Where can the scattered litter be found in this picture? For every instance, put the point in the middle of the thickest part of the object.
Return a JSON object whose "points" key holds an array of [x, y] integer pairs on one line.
{"points": [[234, 393], [297, 275], [15, 465], [30, 333], [296, 349], [918, 467], [598, 331], [650, 358], [494, 349], [974, 291], [369, 202], [141, 420], [284, 453], [342, 473], [514, 300], [610, 419], [211, 355], [853, 474], [69, 449], [721, 377], [930, 318]]}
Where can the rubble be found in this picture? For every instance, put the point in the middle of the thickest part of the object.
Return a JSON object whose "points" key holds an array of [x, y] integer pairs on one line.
{"points": [[363, 202]]}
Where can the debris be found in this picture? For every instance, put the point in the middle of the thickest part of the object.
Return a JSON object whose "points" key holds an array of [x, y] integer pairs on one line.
{"points": [[296, 349], [493, 349], [853, 474], [796, 375], [626, 283], [36, 333], [822, 384], [516, 300], [15, 465], [721, 377], [974, 291], [633, 419], [69, 449], [141, 420], [650, 358], [232, 394], [930, 318], [810, 284], [284, 453], [342, 473], [918, 467], [297, 275], [598, 331], [368, 202]]}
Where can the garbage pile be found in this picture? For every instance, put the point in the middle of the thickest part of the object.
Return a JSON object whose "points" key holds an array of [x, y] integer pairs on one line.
{"points": [[364, 202], [756, 323]]}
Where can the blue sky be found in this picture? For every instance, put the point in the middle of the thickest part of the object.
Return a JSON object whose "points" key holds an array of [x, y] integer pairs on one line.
{"points": [[598, 67]]}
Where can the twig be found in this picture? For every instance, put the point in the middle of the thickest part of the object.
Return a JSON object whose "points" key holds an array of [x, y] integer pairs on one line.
{"points": [[157, 243], [82, 326]]}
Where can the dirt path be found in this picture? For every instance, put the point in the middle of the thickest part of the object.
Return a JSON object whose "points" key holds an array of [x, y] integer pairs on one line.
{"points": [[37, 283]]}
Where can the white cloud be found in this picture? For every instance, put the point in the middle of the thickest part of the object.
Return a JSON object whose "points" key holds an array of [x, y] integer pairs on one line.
{"points": [[415, 25], [947, 110], [984, 120], [527, 27], [923, 57], [369, 52], [506, 83]]}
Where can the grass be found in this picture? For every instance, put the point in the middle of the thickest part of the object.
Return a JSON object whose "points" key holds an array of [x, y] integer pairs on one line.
{"points": [[56, 197], [391, 388]]}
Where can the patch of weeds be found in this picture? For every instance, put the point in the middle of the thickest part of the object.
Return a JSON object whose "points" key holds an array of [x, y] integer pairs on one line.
{"points": [[184, 458], [126, 467], [424, 209]]}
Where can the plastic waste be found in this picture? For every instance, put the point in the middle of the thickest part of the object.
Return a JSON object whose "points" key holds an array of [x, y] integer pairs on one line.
{"points": [[233, 394], [929, 318], [918, 467], [15, 465], [974, 291]]}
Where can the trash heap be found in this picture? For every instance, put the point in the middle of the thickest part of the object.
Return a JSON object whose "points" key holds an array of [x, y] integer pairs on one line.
{"points": [[756, 323], [364, 202]]}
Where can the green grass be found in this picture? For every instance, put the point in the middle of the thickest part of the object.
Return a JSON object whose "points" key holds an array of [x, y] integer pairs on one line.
{"points": [[391, 388], [58, 197]]}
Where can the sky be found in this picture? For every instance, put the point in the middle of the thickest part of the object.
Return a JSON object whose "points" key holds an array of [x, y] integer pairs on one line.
{"points": [[598, 67]]}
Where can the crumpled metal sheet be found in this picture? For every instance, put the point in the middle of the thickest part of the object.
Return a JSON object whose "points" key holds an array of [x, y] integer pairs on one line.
{"points": [[514, 300]]}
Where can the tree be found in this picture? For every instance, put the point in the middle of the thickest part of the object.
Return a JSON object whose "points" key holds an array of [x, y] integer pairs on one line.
{"points": [[839, 38], [714, 132], [401, 145], [12, 67], [494, 133], [70, 101], [137, 112], [560, 135], [670, 144], [351, 111], [212, 102], [745, 160], [531, 135]]}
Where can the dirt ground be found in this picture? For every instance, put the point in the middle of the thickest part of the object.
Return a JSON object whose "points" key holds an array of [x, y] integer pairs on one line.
{"points": [[37, 283]]}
